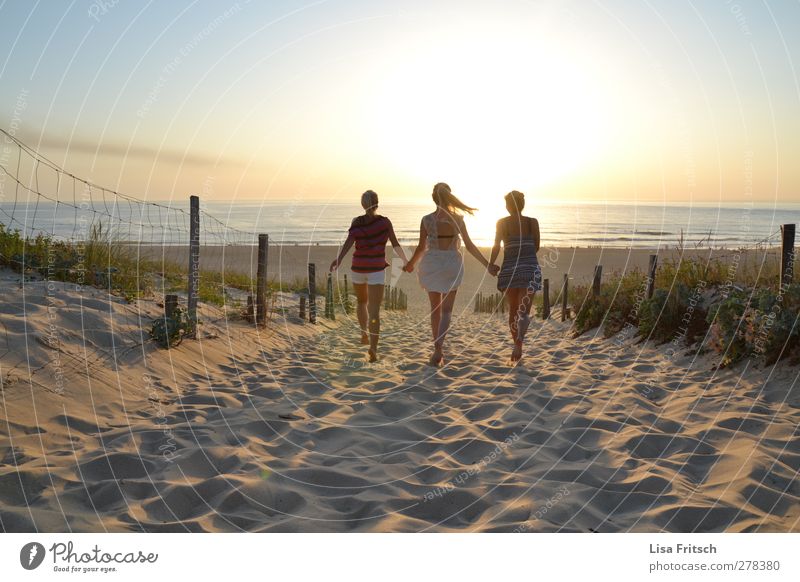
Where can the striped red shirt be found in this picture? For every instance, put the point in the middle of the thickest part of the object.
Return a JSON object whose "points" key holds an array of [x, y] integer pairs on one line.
{"points": [[370, 238]]}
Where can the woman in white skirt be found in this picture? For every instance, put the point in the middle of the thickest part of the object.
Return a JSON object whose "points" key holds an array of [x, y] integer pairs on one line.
{"points": [[441, 265]]}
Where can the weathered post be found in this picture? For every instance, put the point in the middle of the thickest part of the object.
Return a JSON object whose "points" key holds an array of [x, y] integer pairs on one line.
{"points": [[170, 305], [564, 294], [302, 309], [546, 299], [250, 311], [194, 265], [598, 273], [312, 293], [261, 279], [347, 307], [651, 275], [330, 312], [787, 254]]}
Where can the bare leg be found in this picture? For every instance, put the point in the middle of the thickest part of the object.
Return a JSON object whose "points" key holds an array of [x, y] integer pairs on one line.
{"points": [[375, 293], [522, 311], [436, 316], [512, 297], [448, 301], [361, 310], [436, 312], [526, 302]]}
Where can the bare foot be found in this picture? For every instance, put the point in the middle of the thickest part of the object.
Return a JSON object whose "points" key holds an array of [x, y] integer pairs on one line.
{"points": [[373, 356], [437, 358], [365, 339], [516, 355]]}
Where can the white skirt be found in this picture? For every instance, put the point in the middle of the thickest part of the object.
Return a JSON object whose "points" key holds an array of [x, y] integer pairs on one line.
{"points": [[441, 271]]}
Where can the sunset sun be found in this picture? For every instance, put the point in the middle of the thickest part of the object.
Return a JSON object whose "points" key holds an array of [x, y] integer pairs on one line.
{"points": [[511, 113]]}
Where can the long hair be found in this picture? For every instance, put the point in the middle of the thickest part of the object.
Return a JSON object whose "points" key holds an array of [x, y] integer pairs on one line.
{"points": [[444, 197]]}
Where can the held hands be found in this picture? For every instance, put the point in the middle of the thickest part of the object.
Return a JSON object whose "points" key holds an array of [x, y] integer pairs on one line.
{"points": [[493, 269], [408, 267], [335, 265]]}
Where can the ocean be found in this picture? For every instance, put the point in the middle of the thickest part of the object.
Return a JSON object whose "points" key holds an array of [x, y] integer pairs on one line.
{"points": [[565, 225]]}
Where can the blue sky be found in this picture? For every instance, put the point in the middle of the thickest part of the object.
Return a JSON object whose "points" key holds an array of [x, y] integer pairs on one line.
{"points": [[600, 100]]}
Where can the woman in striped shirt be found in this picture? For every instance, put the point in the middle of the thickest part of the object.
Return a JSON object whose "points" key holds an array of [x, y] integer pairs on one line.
{"points": [[369, 232]]}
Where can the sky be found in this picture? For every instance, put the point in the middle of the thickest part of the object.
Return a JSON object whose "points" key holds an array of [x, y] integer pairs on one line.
{"points": [[608, 101]]}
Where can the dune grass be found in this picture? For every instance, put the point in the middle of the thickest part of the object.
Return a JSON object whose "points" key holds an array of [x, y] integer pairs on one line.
{"points": [[104, 261], [736, 310], [100, 261]]}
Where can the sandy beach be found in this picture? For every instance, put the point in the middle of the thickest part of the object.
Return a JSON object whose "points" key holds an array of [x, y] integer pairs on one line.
{"points": [[288, 429]]}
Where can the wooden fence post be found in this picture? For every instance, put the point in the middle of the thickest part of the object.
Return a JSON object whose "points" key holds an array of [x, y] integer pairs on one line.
{"points": [[546, 299], [312, 293], [651, 275], [564, 294], [330, 311], [170, 305], [194, 265], [250, 311], [261, 279], [302, 309], [787, 254], [598, 273], [347, 307]]}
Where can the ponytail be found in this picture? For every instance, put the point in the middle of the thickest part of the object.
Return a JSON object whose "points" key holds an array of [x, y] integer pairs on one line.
{"points": [[444, 197]]}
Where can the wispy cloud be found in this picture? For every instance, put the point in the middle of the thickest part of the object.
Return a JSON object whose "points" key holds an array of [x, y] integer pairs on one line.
{"points": [[117, 150]]}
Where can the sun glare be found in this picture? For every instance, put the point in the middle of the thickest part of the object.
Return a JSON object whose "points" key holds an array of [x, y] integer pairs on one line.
{"points": [[492, 116]]}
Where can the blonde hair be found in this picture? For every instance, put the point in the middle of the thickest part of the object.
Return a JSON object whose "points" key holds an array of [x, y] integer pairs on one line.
{"points": [[444, 197], [369, 200]]}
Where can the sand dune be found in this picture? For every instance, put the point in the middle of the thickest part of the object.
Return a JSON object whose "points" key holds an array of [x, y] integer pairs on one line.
{"points": [[289, 429], [288, 263]]}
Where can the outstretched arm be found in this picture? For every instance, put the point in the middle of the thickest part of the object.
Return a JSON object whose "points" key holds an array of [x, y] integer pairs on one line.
{"points": [[473, 250], [396, 245], [498, 237], [345, 248], [423, 235]]}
